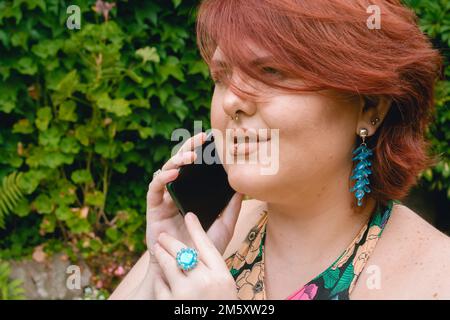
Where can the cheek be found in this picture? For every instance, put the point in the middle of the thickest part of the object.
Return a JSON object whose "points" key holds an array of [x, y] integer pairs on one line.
{"points": [[218, 116], [314, 134]]}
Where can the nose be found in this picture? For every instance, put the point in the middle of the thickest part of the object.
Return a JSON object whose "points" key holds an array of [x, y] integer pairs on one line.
{"points": [[232, 103]]}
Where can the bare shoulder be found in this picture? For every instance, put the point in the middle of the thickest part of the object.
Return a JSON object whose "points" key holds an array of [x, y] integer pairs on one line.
{"points": [[251, 211], [413, 259]]}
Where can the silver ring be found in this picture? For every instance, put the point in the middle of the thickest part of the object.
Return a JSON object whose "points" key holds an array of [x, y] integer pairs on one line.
{"points": [[156, 173]]}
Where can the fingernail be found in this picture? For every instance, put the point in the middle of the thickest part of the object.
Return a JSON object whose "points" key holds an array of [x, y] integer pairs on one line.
{"points": [[191, 216]]}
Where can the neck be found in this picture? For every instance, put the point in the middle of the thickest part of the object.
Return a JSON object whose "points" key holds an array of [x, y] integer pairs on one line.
{"points": [[317, 228]]}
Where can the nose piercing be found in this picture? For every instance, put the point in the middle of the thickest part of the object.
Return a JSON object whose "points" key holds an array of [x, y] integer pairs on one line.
{"points": [[235, 117]]}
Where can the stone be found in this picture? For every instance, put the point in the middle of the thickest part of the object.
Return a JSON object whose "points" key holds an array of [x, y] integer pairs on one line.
{"points": [[46, 280]]}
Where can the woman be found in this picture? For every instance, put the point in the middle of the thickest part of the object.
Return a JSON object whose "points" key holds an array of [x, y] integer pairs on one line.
{"points": [[351, 103]]}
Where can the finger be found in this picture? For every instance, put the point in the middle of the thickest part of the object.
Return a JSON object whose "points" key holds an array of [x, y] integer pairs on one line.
{"points": [[170, 244], [162, 291], [222, 230], [168, 265], [207, 250], [180, 159], [168, 202], [173, 245], [193, 142], [156, 188]]}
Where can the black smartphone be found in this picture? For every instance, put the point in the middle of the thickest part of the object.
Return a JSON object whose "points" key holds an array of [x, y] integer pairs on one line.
{"points": [[202, 188]]}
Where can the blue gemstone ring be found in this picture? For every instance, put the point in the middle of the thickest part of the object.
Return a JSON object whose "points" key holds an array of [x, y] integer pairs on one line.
{"points": [[187, 258]]}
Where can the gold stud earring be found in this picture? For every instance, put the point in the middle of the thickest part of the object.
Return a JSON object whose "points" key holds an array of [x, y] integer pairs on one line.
{"points": [[363, 134]]}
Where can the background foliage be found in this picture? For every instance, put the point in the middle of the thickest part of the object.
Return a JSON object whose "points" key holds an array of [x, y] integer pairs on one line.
{"points": [[86, 115]]}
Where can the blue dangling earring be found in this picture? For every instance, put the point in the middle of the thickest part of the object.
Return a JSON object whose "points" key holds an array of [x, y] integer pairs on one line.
{"points": [[361, 172]]}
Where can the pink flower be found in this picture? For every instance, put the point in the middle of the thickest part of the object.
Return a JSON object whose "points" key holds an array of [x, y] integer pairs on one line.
{"points": [[308, 292], [120, 271], [99, 284], [103, 8]]}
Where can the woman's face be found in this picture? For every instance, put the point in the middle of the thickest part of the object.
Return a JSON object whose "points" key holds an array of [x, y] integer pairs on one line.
{"points": [[316, 137]]}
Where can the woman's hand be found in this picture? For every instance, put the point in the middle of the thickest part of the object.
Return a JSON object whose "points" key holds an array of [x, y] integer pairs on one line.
{"points": [[210, 279], [163, 215]]}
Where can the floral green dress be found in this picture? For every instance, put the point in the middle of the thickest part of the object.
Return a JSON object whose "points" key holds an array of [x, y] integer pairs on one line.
{"points": [[335, 283]]}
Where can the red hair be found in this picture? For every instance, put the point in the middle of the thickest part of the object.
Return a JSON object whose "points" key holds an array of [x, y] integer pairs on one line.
{"points": [[328, 45]]}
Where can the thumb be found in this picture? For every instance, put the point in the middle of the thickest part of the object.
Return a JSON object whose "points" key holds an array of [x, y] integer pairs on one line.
{"points": [[221, 231]]}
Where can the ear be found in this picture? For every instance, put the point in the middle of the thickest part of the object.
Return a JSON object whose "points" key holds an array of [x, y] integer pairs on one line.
{"points": [[371, 109]]}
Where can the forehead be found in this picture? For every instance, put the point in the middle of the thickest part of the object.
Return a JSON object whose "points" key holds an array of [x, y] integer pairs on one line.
{"points": [[256, 51]]}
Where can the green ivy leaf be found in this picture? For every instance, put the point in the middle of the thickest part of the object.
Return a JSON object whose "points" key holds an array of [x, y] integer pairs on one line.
{"points": [[23, 126], [44, 116], [112, 234], [27, 66], [127, 146], [81, 176], [22, 208], [64, 193], [48, 224], [108, 149], [176, 3], [67, 111], [120, 167], [175, 104], [31, 4], [47, 48], [145, 132], [8, 95], [20, 38], [50, 137], [81, 133], [95, 198], [69, 145], [119, 107], [78, 225], [55, 159], [66, 87], [148, 54], [43, 204], [171, 67], [30, 180], [63, 213]]}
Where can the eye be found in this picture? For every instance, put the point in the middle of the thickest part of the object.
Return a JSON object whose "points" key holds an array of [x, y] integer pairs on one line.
{"points": [[272, 71], [216, 80], [217, 77]]}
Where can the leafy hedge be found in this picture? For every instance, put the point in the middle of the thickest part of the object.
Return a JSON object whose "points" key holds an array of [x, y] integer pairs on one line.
{"points": [[435, 22], [86, 115]]}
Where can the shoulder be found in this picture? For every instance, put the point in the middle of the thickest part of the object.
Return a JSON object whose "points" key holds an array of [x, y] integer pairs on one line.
{"points": [[251, 211], [413, 259]]}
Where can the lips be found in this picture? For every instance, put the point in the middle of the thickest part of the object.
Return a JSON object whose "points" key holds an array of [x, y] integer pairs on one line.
{"points": [[247, 141], [250, 135]]}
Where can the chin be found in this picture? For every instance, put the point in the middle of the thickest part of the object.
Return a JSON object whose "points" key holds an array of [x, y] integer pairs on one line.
{"points": [[247, 179]]}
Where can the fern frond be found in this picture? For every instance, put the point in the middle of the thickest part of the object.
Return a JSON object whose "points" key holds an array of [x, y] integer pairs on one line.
{"points": [[10, 195], [10, 289]]}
